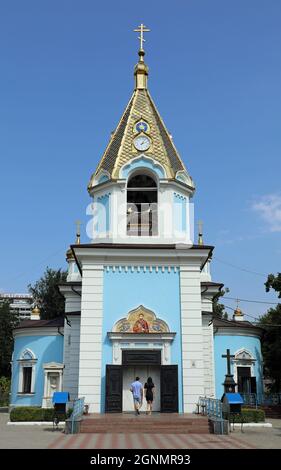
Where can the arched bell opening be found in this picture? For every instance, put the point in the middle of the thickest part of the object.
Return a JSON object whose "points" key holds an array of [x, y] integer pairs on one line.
{"points": [[142, 200]]}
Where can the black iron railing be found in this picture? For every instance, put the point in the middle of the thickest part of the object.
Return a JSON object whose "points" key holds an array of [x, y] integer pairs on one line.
{"points": [[142, 219]]}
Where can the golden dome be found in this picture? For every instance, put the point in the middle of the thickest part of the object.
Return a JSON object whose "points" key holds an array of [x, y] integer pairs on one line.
{"points": [[238, 312], [141, 67], [36, 310]]}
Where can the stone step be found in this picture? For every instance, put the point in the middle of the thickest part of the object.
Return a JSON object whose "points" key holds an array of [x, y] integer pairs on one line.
{"points": [[159, 430], [144, 423], [272, 411], [142, 426], [147, 420], [156, 424], [133, 426]]}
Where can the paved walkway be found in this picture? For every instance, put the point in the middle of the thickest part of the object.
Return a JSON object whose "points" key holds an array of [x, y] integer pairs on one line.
{"points": [[262, 438], [25, 437], [41, 437], [147, 441]]}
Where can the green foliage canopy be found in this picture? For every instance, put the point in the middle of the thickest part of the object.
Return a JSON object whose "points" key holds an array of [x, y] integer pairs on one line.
{"points": [[46, 294], [271, 342], [218, 308], [8, 321]]}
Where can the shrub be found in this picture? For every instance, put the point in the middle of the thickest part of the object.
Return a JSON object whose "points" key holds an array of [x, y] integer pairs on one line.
{"points": [[26, 413], [250, 415], [5, 385], [32, 413], [47, 414]]}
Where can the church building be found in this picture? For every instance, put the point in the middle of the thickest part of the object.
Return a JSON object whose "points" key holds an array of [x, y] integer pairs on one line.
{"points": [[139, 295]]}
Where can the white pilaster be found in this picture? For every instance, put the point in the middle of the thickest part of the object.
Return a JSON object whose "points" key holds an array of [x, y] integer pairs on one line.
{"points": [[192, 339], [91, 336], [71, 354], [208, 356]]}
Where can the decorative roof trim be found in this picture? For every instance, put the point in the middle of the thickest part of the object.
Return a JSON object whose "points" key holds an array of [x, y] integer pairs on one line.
{"points": [[54, 323], [102, 177], [144, 246], [120, 148], [156, 167], [224, 325], [120, 129]]}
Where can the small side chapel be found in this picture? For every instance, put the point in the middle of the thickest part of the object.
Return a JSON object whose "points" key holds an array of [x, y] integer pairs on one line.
{"points": [[138, 296]]}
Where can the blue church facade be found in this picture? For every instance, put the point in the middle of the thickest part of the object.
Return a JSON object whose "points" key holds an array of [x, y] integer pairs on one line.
{"points": [[138, 296], [42, 350], [247, 366], [156, 289], [38, 347]]}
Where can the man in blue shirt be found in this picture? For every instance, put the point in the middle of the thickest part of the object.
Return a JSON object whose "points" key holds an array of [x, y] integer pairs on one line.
{"points": [[137, 391]]}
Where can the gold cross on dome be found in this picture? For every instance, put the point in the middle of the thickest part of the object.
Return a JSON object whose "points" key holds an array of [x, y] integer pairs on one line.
{"points": [[141, 29], [78, 224]]}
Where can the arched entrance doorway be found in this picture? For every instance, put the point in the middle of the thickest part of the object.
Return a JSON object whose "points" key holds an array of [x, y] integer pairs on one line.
{"points": [[141, 346]]}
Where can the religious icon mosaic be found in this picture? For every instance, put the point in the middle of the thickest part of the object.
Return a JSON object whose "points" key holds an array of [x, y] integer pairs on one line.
{"points": [[141, 320]]}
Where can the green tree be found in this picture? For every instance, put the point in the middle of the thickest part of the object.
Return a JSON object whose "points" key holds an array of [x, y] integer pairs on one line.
{"points": [[271, 346], [218, 308], [46, 294], [8, 321], [5, 386], [271, 342], [273, 282]]}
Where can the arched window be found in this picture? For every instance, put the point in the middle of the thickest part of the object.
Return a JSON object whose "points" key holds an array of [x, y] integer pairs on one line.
{"points": [[244, 372], [27, 363], [142, 205]]}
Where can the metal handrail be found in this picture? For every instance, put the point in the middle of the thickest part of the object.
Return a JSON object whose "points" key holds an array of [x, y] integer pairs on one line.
{"points": [[212, 407], [256, 399], [143, 221], [250, 399], [77, 412]]}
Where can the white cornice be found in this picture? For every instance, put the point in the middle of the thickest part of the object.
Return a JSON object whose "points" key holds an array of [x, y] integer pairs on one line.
{"points": [[138, 337], [148, 256], [38, 331], [221, 331], [70, 289]]}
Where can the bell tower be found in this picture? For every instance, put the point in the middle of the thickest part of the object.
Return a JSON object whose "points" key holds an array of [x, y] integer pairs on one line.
{"points": [[141, 188], [142, 253]]}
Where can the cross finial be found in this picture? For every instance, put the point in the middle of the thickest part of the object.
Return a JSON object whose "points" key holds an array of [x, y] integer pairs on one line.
{"points": [[141, 29], [78, 224], [228, 357], [200, 232]]}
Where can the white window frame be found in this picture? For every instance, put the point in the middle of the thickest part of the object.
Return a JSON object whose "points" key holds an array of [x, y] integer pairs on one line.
{"points": [[27, 363], [240, 362], [51, 368]]}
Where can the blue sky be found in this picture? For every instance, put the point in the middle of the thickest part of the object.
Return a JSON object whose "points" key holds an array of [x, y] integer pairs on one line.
{"points": [[215, 74]]}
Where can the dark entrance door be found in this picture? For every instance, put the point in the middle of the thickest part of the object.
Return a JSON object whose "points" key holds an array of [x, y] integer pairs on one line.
{"points": [[168, 381], [169, 389], [114, 384], [246, 383]]}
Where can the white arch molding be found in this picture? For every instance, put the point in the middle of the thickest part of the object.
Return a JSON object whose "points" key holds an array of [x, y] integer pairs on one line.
{"points": [[141, 163], [243, 358], [27, 359]]}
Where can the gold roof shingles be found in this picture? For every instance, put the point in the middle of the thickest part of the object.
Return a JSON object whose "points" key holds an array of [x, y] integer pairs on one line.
{"points": [[120, 149]]}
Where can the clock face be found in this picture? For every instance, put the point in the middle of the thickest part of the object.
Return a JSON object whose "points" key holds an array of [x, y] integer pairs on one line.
{"points": [[142, 142], [141, 126]]}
